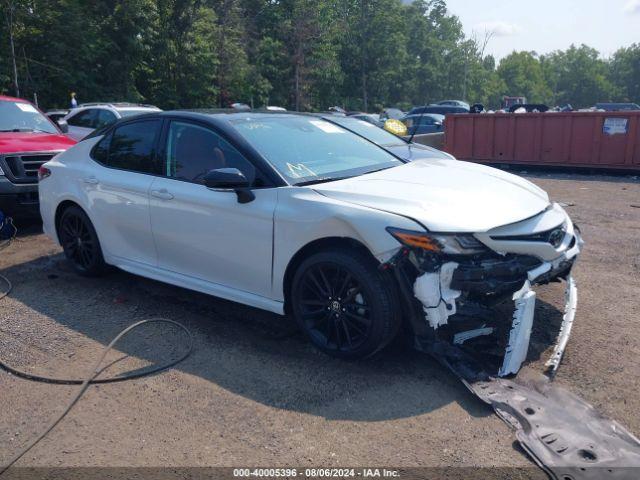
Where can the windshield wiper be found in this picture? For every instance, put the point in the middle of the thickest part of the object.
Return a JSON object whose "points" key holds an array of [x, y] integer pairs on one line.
{"points": [[333, 179], [318, 180], [25, 129], [378, 170]]}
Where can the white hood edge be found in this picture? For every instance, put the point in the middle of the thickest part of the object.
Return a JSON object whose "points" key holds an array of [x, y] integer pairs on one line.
{"points": [[444, 195]]}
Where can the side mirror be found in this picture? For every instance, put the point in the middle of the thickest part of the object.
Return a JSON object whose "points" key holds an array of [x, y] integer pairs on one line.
{"points": [[232, 179], [63, 125]]}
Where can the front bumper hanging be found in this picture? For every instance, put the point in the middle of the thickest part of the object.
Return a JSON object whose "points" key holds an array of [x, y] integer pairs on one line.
{"points": [[436, 290]]}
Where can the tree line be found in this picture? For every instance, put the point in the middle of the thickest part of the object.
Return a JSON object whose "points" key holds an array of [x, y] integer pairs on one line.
{"points": [[299, 54]]}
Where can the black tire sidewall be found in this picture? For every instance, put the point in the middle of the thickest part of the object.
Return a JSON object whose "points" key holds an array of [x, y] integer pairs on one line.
{"points": [[377, 290], [98, 266]]}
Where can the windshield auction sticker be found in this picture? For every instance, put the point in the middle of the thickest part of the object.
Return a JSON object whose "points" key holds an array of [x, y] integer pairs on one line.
{"points": [[26, 107], [326, 126]]}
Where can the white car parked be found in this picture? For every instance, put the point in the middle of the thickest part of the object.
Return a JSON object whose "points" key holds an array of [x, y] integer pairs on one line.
{"points": [[91, 116], [293, 214]]}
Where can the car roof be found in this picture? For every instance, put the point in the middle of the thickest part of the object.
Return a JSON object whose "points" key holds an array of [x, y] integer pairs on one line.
{"points": [[425, 114], [4, 98], [614, 104], [119, 105], [228, 115]]}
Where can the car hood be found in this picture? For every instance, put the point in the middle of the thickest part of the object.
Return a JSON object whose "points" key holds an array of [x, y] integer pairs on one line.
{"points": [[415, 151], [444, 195], [22, 142]]}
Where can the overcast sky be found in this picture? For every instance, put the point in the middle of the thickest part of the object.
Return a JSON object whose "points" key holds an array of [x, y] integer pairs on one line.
{"points": [[547, 25]]}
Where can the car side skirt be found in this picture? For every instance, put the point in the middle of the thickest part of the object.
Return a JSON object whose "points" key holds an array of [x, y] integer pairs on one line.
{"points": [[197, 284]]}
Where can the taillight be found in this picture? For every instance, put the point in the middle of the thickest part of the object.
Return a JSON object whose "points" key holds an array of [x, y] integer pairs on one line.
{"points": [[43, 172]]}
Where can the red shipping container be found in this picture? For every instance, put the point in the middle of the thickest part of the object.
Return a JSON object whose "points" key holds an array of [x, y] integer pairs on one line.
{"points": [[572, 139]]}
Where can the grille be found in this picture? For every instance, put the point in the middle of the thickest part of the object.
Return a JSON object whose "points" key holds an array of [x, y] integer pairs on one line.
{"points": [[24, 168], [554, 237]]}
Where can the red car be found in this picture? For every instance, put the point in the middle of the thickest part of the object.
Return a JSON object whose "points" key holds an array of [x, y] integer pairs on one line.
{"points": [[27, 140]]}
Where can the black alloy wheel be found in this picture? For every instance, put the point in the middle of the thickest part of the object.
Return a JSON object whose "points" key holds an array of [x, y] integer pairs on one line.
{"points": [[344, 304], [80, 242]]}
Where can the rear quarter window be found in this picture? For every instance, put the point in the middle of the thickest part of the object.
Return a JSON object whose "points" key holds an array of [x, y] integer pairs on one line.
{"points": [[130, 147], [100, 152]]}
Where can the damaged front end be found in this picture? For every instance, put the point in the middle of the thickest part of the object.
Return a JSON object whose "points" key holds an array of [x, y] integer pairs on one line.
{"points": [[456, 284]]}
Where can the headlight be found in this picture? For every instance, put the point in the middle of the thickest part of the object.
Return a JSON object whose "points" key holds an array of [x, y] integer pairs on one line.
{"points": [[456, 244]]}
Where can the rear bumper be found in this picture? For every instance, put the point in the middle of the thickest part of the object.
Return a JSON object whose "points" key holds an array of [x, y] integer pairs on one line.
{"points": [[19, 200]]}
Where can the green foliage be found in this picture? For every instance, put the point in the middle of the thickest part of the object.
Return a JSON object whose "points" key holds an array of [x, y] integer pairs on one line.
{"points": [[578, 76], [302, 54], [522, 75], [625, 73]]}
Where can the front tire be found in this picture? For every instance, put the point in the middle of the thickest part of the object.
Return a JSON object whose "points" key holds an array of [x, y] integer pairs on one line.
{"points": [[346, 306], [80, 243]]}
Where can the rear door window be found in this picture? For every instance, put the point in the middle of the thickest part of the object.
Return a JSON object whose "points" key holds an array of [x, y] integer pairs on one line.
{"points": [[130, 147]]}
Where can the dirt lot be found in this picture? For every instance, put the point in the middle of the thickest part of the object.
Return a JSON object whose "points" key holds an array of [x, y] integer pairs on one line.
{"points": [[254, 393]]}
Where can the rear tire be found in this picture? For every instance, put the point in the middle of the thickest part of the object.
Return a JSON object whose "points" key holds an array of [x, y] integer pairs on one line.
{"points": [[80, 243], [347, 307]]}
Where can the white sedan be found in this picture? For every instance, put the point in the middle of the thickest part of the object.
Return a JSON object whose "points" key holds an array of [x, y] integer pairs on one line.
{"points": [[293, 214]]}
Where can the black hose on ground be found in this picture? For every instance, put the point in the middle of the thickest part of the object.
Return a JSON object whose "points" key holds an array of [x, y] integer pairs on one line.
{"points": [[90, 379]]}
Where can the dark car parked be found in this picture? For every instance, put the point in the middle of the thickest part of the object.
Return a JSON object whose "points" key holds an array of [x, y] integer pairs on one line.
{"points": [[438, 109], [617, 107], [455, 103], [424, 123]]}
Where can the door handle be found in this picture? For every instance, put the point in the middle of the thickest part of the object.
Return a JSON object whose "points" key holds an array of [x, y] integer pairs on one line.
{"points": [[91, 180], [162, 194]]}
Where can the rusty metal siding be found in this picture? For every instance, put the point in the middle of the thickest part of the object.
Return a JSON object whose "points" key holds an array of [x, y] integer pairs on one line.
{"points": [[573, 139]]}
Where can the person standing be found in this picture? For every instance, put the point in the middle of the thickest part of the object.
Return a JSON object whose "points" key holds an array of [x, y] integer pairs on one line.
{"points": [[74, 102]]}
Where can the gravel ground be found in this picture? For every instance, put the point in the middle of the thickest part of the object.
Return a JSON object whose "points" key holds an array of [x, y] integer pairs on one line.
{"points": [[254, 393]]}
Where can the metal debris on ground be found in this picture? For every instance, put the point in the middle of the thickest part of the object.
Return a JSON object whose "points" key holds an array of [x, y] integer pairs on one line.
{"points": [[563, 434]]}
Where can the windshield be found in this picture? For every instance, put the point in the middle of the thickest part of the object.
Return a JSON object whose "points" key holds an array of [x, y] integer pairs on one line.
{"points": [[23, 117], [368, 130], [308, 149]]}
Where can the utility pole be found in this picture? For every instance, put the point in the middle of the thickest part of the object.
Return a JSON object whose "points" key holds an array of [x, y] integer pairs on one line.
{"points": [[466, 73], [10, 11], [363, 52]]}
